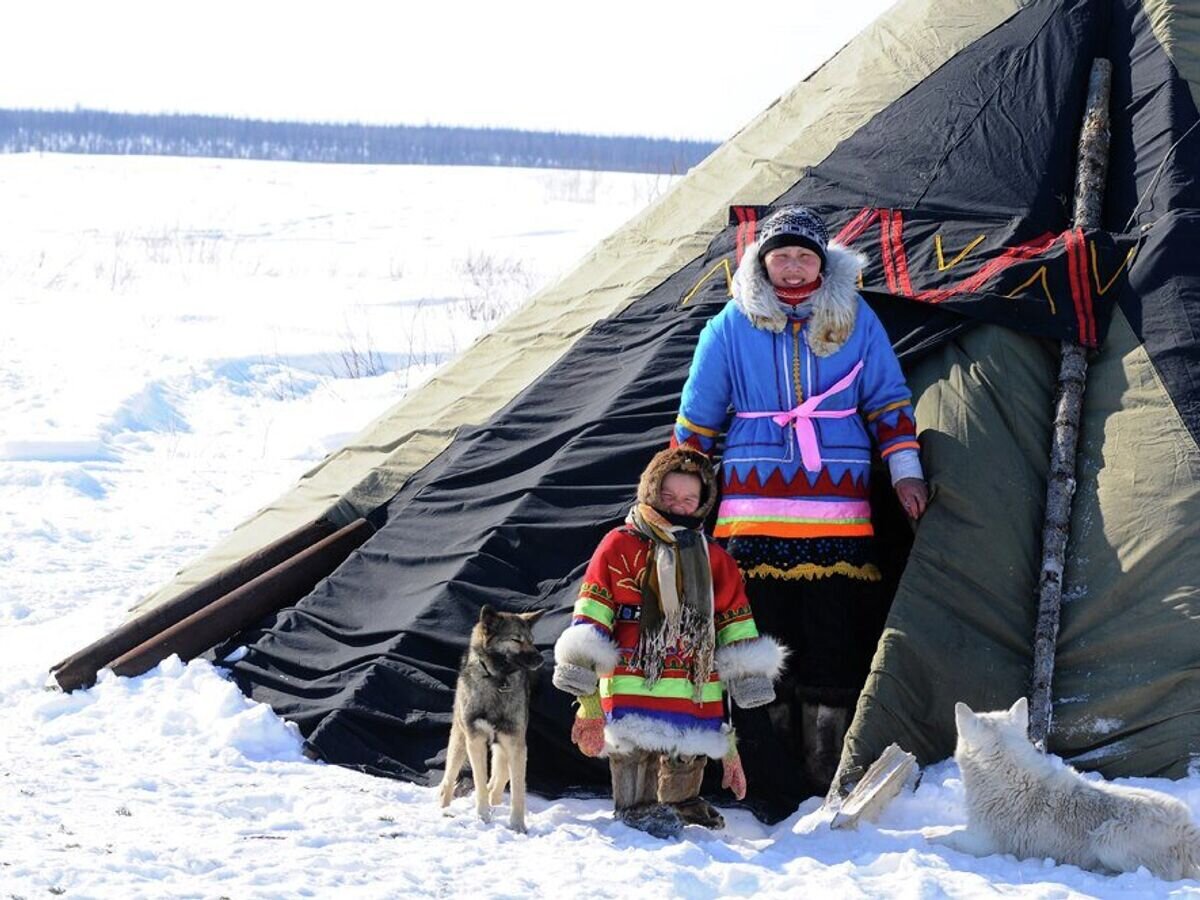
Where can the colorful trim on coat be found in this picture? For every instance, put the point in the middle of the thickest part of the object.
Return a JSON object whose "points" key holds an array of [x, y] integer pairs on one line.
{"points": [[609, 604], [781, 528], [792, 518], [671, 700], [808, 560], [595, 606], [815, 572]]}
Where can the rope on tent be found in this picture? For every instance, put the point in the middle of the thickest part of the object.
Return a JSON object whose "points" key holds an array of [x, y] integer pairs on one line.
{"points": [[1090, 176], [1157, 174]]}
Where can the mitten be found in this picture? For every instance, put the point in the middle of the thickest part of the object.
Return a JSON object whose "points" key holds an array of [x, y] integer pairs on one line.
{"points": [[750, 691], [575, 680], [587, 733], [733, 776]]}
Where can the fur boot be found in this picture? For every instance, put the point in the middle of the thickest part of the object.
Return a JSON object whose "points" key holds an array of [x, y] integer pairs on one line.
{"points": [[823, 729], [656, 819], [634, 778], [635, 794], [679, 779]]}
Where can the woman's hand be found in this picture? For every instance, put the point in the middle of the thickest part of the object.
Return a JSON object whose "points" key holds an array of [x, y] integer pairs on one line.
{"points": [[914, 496]]}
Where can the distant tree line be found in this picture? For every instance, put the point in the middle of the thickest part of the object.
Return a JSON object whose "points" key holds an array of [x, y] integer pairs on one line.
{"points": [[93, 131]]}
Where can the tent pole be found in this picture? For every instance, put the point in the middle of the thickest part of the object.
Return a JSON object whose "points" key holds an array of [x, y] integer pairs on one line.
{"points": [[79, 669], [1090, 175]]}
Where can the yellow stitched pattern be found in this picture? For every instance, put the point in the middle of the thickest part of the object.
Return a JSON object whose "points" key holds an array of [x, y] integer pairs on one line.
{"points": [[812, 571], [1039, 274], [796, 362], [1096, 271], [941, 261], [707, 275], [628, 577]]}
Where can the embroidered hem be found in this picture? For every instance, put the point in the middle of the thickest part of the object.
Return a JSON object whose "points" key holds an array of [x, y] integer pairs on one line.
{"points": [[813, 571]]}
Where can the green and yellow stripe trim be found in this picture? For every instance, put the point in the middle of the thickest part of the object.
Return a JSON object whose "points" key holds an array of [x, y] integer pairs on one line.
{"points": [[666, 688], [595, 610], [736, 631]]}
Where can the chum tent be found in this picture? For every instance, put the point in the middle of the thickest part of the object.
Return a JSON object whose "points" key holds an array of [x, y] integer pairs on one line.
{"points": [[941, 144]]}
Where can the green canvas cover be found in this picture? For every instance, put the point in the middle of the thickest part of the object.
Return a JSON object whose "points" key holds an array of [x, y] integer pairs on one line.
{"points": [[1125, 692], [1126, 697]]}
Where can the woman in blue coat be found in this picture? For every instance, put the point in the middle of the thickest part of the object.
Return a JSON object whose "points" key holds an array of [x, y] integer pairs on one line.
{"points": [[799, 375]]}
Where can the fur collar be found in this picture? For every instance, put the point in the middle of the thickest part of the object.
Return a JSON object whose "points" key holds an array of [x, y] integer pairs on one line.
{"points": [[834, 303]]}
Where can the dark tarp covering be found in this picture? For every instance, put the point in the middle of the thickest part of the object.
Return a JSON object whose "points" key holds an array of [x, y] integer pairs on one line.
{"points": [[508, 515], [510, 512]]}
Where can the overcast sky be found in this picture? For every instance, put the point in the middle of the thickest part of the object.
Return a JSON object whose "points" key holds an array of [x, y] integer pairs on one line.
{"points": [[673, 69]]}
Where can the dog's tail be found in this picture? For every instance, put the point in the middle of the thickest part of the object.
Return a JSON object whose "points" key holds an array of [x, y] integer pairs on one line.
{"points": [[1178, 854], [1189, 851], [1161, 837]]}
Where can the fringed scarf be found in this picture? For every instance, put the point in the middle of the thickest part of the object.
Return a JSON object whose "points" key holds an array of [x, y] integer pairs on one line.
{"points": [[677, 598]]}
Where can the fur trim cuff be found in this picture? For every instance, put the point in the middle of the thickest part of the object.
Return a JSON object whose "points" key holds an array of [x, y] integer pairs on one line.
{"points": [[761, 656], [634, 732], [585, 646]]}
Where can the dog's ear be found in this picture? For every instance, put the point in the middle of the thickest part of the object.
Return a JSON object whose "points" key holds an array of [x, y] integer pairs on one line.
{"points": [[964, 718], [1019, 712], [488, 616], [532, 616]]}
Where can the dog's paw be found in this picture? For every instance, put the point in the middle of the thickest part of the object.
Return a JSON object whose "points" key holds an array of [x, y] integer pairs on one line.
{"points": [[517, 824], [484, 813]]}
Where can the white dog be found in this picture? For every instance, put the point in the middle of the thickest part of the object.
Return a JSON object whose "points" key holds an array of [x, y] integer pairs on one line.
{"points": [[1022, 802]]}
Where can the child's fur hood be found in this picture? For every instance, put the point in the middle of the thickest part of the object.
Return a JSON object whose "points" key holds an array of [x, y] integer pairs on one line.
{"points": [[834, 303], [679, 459]]}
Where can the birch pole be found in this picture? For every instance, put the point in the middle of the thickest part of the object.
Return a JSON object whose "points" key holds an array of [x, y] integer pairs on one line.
{"points": [[1090, 175]]}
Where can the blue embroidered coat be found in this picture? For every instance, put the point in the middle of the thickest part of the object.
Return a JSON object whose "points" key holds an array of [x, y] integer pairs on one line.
{"points": [[800, 401]]}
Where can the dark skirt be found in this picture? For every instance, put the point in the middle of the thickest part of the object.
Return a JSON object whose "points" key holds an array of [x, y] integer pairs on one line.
{"points": [[825, 600], [831, 623]]}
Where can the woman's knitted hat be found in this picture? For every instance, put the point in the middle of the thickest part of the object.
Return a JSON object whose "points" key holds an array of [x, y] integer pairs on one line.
{"points": [[793, 226]]}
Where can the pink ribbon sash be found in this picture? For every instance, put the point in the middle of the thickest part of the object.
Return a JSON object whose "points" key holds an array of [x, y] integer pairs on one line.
{"points": [[801, 419]]}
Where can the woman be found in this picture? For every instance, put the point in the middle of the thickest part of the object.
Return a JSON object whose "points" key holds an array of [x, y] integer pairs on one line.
{"points": [[799, 374]]}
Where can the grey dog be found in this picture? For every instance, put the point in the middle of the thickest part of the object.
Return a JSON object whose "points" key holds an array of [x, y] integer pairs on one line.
{"points": [[491, 707]]}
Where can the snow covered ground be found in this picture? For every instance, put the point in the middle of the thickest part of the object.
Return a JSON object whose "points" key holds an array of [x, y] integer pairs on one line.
{"points": [[180, 340]]}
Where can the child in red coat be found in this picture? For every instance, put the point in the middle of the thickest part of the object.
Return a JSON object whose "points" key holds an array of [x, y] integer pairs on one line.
{"points": [[661, 630]]}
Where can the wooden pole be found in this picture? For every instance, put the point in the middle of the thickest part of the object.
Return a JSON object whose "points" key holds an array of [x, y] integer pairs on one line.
{"points": [[274, 589], [79, 669], [1090, 175]]}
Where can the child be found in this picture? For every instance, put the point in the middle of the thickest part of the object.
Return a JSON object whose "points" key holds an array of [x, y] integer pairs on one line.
{"points": [[662, 627]]}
